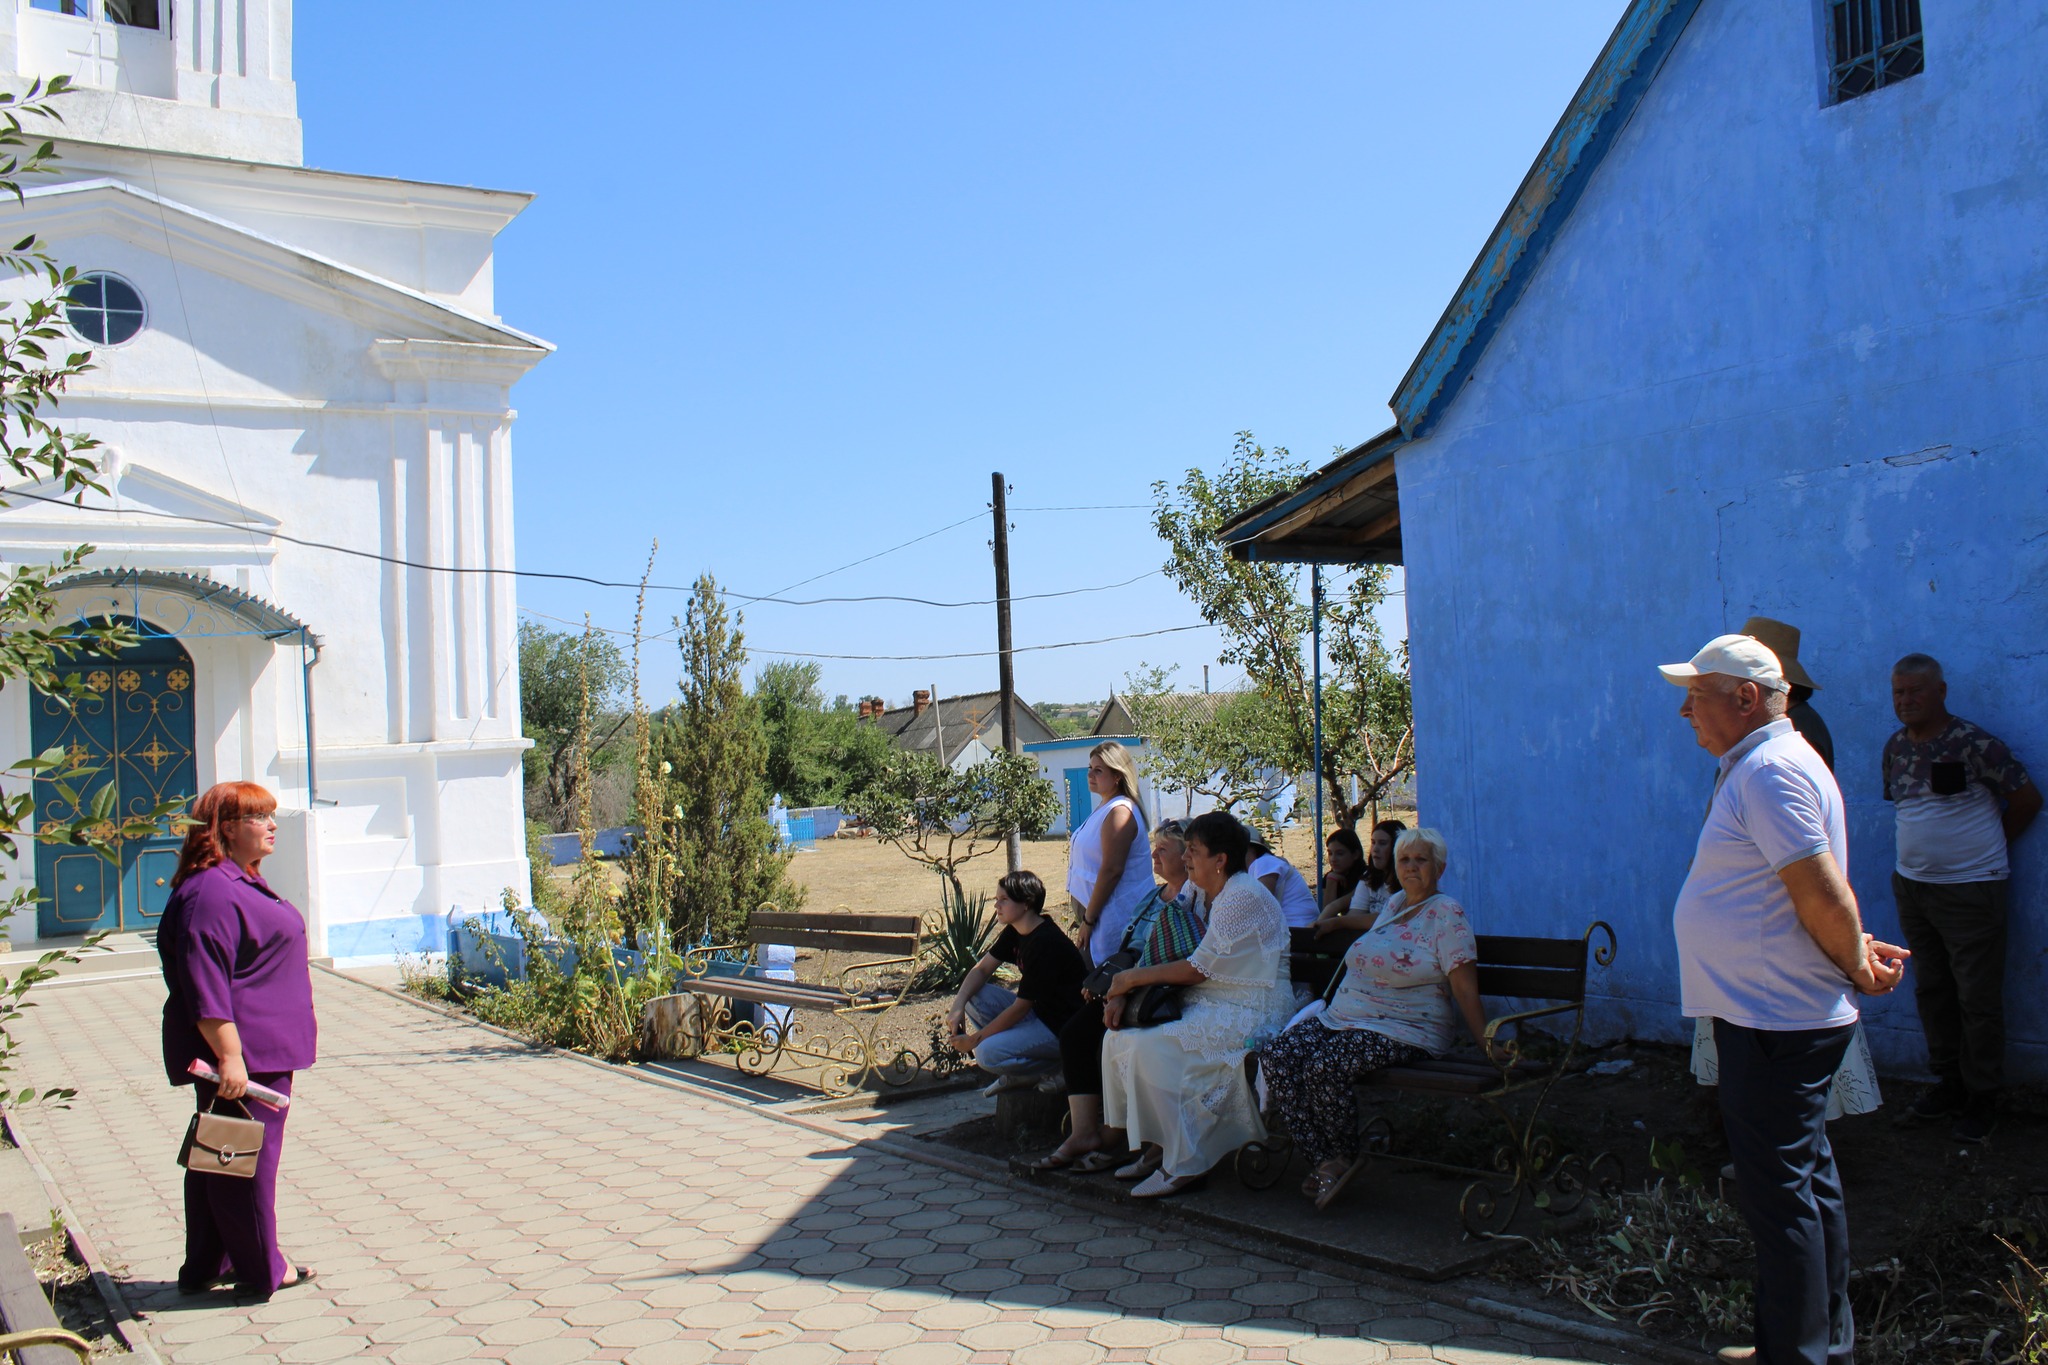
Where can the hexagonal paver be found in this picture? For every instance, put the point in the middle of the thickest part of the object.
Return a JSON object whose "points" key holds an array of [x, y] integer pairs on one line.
{"points": [[1204, 1351], [1134, 1332], [954, 1315], [1004, 1336], [1336, 1351]]}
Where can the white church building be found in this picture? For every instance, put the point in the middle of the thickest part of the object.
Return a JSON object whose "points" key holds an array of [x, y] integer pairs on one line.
{"points": [[283, 356]]}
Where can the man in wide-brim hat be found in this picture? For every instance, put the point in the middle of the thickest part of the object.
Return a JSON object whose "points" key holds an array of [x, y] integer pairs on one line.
{"points": [[1783, 640]]}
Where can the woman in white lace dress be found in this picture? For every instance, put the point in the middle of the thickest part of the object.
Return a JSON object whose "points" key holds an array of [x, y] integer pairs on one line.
{"points": [[1179, 1088]]}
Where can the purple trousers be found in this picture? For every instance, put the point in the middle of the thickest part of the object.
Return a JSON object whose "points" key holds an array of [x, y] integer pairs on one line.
{"points": [[231, 1223]]}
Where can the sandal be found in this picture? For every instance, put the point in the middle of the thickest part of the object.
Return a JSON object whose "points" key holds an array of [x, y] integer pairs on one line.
{"points": [[1058, 1161], [1098, 1161], [301, 1274], [1328, 1187]]}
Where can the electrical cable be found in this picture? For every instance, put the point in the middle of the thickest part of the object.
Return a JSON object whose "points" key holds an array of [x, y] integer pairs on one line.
{"points": [[1098, 507], [580, 578], [972, 516], [891, 658]]}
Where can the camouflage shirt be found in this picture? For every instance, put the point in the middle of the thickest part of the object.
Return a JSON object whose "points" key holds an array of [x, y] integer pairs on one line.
{"points": [[1947, 764]]}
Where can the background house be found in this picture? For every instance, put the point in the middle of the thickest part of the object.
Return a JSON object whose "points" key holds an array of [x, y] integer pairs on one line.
{"points": [[281, 352], [958, 731], [1064, 763], [1764, 331]]}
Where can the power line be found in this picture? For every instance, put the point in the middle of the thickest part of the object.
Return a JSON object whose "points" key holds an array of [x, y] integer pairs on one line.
{"points": [[976, 653], [886, 658], [1096, 507], [973, 516], [772, 599]]}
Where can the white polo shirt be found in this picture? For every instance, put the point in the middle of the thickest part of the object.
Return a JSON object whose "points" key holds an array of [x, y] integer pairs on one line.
{"points": [[1743, 956]]}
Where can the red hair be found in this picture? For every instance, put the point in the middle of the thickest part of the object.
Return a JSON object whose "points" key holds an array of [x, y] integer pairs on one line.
{"points": [[205, 842]]}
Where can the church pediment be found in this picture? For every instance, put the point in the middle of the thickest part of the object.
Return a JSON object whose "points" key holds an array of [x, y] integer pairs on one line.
{"points": [[194, 238], [146, 519]]}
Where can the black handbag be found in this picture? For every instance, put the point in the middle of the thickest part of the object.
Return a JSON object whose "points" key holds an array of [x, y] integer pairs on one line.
{"points": [[1096, 984], [1148, 1006]]}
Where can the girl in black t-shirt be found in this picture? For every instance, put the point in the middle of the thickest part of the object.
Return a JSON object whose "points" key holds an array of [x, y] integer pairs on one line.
{"points": [[1016, 1036]]}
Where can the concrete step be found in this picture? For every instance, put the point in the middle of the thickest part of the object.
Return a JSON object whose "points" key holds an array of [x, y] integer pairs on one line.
{"points": [[117, 956]]}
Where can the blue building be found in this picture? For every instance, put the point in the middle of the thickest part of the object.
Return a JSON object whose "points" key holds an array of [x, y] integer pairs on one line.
{"points": [[1764, 331]]}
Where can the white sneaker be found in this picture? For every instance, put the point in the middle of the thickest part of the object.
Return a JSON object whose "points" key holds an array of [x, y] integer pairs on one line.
{"points": [[1054, 1084], [1002, 1084]]}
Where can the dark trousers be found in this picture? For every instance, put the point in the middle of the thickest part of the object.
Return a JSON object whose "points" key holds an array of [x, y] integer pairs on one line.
{"points": [[1312, 1073], [231, 1223], [1081, 1049], [1957, 934], [1774, 1100]]}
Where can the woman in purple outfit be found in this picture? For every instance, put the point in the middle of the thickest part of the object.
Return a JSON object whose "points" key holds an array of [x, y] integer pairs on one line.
{"points": [[241, 997]]}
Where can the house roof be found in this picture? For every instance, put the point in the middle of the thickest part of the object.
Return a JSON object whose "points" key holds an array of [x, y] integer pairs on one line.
{"points": [[1198, 706], [959, 721], [1349, 511]]}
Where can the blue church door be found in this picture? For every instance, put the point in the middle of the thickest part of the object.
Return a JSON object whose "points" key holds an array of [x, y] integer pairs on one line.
{"points": [[134, 727]]}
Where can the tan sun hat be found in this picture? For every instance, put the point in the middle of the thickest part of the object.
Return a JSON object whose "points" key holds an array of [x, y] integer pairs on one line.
{"points": [[1732, 656], [1783, 641]]}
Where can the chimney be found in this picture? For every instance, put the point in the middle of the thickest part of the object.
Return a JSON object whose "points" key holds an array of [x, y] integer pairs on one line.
{"points": [[919, 700], [861, 712]]}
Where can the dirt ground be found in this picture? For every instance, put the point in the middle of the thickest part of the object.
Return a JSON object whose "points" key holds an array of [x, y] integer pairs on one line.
{"points": [[866, 875]]}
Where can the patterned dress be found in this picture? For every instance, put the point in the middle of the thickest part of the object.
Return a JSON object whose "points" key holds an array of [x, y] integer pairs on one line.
{"points": [[1182, 1085]]}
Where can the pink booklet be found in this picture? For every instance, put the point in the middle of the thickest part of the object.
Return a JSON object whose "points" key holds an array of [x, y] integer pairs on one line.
{"points": [[203, 1069]]}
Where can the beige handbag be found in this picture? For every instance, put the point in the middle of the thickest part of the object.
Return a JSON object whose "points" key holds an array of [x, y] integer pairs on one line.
{"points": [[221, 1144]]}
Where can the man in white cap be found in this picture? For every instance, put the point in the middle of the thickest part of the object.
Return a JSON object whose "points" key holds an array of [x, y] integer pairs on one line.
{"points": [[1772, 949]]}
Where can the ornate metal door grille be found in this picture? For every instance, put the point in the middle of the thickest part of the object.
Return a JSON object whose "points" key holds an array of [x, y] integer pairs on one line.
{"points": [[135, 728]]}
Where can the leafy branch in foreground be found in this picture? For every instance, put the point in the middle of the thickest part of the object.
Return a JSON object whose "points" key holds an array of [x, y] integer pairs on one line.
{"points": [[37, 364]]}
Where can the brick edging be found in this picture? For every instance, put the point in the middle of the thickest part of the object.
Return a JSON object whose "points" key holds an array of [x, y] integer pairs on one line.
{"points": [[127, 1325], [1154, 1213]]}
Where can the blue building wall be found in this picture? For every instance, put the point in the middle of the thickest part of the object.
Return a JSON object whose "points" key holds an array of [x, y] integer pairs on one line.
{"points": [[1783, 359]]}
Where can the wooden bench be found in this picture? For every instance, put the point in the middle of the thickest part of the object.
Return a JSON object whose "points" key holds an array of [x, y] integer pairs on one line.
{"points": [[1548, 970], [859, 996], [29, 1331]]}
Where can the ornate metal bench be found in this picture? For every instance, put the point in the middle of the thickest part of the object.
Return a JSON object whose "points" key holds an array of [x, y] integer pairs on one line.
{"points": [[1526, 1165], [859, 996]]}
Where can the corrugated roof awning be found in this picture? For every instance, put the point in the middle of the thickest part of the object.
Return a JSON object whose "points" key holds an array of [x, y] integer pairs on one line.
{"points": [[270, 622], [1347, 512]]}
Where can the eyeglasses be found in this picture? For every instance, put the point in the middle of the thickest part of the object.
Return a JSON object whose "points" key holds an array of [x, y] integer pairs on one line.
{"points": [[1172, 827]]}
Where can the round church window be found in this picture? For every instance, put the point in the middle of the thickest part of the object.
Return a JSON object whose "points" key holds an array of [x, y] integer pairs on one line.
{"points": [[104, 309]]}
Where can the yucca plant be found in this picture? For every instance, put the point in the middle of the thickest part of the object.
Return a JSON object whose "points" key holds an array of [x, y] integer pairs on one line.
{"points": [[966, 927]]}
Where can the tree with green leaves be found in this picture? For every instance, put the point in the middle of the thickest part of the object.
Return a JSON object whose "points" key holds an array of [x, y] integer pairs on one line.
{"points": [[1368, 725], [38, 644], [816, 754], [554, 668], [946, 819], [1217, 745], [712, 753]]}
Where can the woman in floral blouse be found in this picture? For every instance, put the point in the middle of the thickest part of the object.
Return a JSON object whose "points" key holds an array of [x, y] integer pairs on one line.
{"points": [[1393, 1005]]}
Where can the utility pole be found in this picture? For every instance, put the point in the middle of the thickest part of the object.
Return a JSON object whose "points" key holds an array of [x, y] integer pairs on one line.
{"points": [[1006, 677]]}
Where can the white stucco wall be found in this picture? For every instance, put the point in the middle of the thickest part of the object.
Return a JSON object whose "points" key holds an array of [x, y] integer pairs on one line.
{"points": [[321, 360]]}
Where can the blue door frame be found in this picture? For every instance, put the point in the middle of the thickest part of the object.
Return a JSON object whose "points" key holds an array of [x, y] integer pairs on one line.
{"points": [[134, 728]]}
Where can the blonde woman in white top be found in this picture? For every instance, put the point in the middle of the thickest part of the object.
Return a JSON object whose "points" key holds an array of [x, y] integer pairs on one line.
{"points": [[1109, 862]]}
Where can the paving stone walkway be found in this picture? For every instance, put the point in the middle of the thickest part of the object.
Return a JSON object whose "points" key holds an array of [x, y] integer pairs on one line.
{"points": [[465, 1198]]}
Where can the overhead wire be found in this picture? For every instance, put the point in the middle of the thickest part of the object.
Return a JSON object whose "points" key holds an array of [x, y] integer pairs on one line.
{"points": [[771, 598]]}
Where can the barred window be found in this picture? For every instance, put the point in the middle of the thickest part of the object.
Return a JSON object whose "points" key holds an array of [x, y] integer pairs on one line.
{"points": [[1874, 43]]}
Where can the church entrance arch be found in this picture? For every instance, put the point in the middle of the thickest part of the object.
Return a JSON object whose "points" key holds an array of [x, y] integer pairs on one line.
{"points": [[134, 728]]}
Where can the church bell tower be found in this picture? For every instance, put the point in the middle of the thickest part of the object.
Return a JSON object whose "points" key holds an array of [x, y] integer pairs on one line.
{"points": [[203, 77]]}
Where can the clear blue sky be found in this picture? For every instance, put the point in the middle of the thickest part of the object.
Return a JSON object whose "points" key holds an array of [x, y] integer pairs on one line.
{"points": [[816, 270]]}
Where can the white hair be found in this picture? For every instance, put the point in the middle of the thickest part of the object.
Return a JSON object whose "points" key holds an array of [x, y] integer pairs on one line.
{"points": [[1775, 700], [1429, 839]]}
